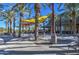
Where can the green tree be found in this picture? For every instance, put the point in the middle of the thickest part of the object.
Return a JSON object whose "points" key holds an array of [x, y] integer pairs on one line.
{"points": [[21, 9], [72, 8], [37, 14]]}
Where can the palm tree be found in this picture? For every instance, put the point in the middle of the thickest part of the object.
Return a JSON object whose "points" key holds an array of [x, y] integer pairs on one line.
{"points": [[7, 17], [66, 17], [21, 9], [37, 14], [14, 26], [53, 33], [3, 15], [20, 25], [53, 37], [72, 8], [11, 16], [7, 25], [60, 21]]}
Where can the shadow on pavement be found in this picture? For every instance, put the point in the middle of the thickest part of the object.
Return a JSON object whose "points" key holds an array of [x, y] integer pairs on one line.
{"points": [[36, 52]]}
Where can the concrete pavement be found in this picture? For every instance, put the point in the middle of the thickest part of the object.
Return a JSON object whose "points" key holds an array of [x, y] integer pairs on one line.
{"points": [[19, 46], [29, 47]]}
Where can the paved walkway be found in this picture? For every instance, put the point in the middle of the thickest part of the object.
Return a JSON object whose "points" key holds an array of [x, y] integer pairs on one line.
{"points": [[28, 47], [19, 46]]}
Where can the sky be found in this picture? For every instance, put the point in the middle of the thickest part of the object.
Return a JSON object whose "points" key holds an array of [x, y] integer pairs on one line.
{"points": [[44, 11]]}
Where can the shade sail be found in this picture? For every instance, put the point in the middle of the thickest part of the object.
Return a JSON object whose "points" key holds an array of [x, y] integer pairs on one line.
{"points": [[32, 20]]}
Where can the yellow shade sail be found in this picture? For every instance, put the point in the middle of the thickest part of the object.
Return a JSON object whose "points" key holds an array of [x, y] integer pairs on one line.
{"points": [[40, 19]]}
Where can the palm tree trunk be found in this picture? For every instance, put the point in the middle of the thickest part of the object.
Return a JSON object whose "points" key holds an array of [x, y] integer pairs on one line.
{"points": [[11, 26], [37, 14], [53, 35], [14, 27], [60, 26], [20, 26], [44, 28], [7, 26], [74, 22], [29, 29], [71, 25], [74, 26]]}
